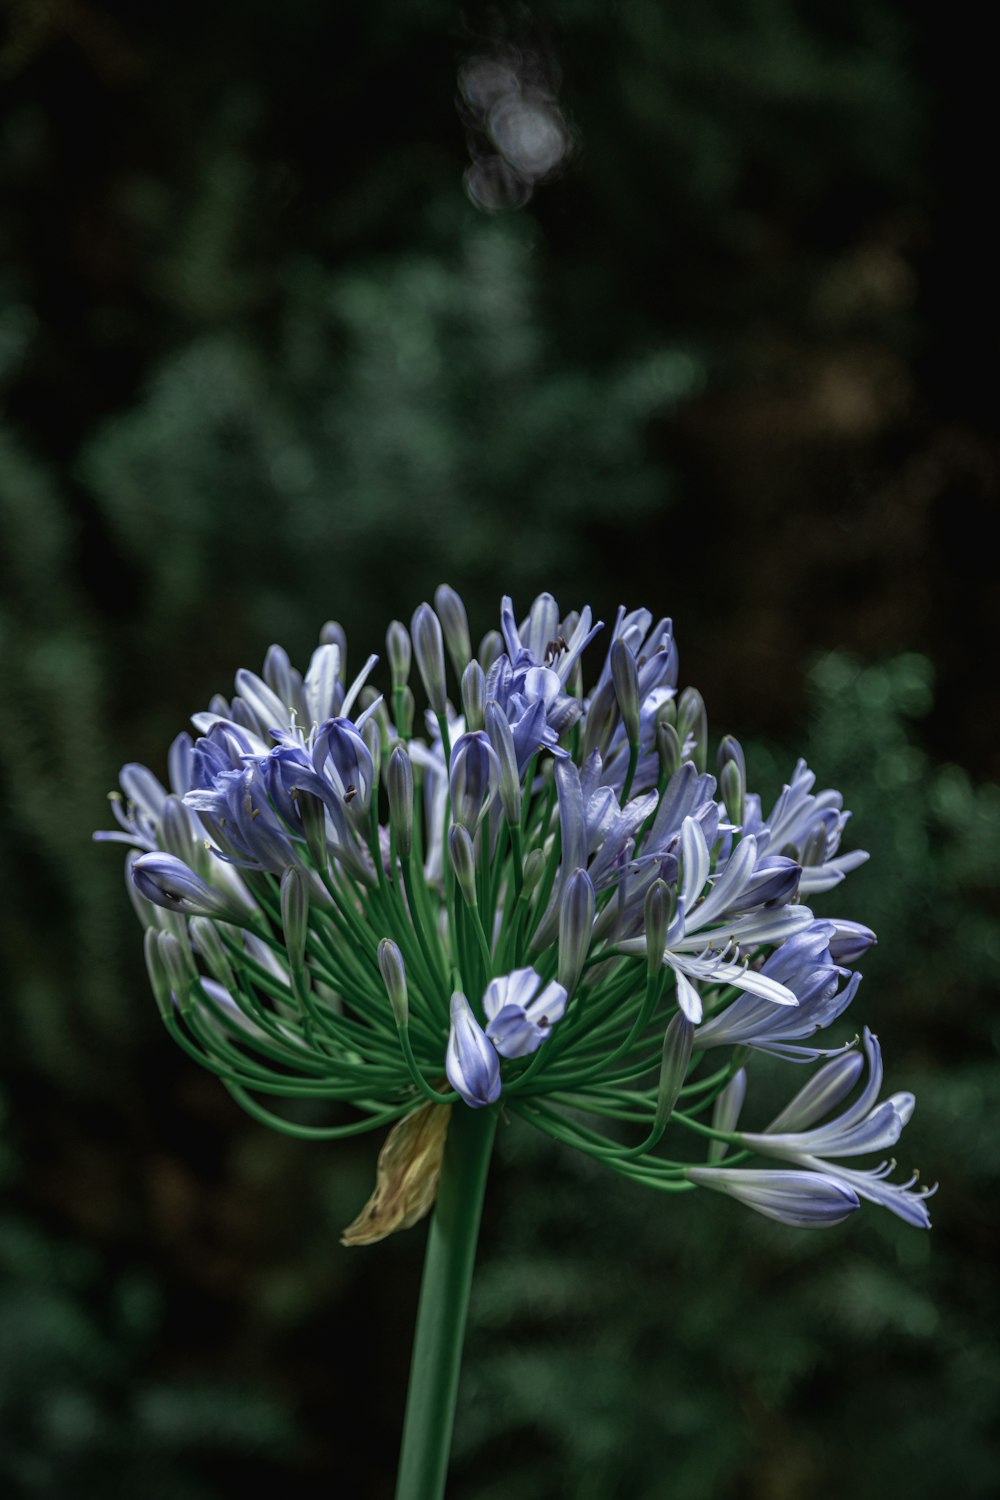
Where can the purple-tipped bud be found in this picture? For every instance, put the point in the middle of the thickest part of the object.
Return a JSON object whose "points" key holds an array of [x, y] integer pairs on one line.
{"points": [[390, 963], [451, 612], [576, 921], [428, 648], [850, 941], [726, 1112], [668, 748], [806, 1200], [474, 779], [168, 882], [490, 647], [473, 693], [180, 835], [656, 918], [399, 786], [463, 862], [206, 939], [502, 740], [601, 721], [471, 1062], [341, 747], [625, 677], [677, 1044], [295, 915], [158, 978], [692, 727], [333, 634], [400, 653]]}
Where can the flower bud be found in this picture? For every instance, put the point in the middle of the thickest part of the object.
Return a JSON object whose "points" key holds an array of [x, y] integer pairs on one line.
{"points": [[313, 815], [428, 648], [534, 866], [733, 779], [471, 1061], [295, 915], [213, 951], [601, 720], [677, 1044], [850, 941], [490, 648], [474, 779], [656, 921], [726, 1112], [576, 920], [399, 652], [372, 734], [463, 862], [502, 740], [390, 963], [333, 634], [179, 833], [473, 692], [451, 612], [625, 677], [692, 727], [179, 967], [820, 1096], [404, 713], [668, 748], [158, 979], [399, 786], [169, 882]]}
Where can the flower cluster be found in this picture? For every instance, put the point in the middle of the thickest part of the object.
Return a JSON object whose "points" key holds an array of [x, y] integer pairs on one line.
{"points": [[543, 900]]}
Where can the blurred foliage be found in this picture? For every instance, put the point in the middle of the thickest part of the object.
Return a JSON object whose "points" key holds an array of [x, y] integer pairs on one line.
{"points": [[259, 362]]}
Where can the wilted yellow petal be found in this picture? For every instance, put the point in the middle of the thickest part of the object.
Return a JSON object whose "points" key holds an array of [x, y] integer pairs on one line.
{"points": [[406, 1177]]}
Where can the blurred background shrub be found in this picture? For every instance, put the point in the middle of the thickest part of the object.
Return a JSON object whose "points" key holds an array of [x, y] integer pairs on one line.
{"points": [[302, 313]]}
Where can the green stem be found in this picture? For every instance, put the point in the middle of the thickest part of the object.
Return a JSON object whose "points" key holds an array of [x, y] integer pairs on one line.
{"points": [[444, 1302]]}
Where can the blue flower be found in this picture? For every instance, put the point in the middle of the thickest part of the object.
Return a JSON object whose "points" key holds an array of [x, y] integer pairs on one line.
{"points": [[471, 1062], [521, 1010]]}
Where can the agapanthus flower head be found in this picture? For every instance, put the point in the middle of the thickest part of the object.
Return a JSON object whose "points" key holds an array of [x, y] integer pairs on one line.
{"points": [[542, 900]]}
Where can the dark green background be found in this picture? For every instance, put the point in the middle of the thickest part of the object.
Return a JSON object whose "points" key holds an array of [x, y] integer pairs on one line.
{"points": [[262, 363]]}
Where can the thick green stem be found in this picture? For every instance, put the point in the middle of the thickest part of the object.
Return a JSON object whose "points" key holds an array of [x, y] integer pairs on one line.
{"points": [[444, 1302]]}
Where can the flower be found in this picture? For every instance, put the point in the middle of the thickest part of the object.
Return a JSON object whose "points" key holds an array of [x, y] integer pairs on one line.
{"points": [[541, 898]]}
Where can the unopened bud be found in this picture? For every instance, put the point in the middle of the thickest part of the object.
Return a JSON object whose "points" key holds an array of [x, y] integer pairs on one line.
{"points": [[428, 648], [180, 835], [668, 748], [534, 865], [625, 677], [463, 862], [677, 1045], [213, 951], [399, 652], [372, 734], [455, 622], [657, 920], [473, 693], [159, 982], [474, 779], [404, 713], [295, 915], [399, 786], [576, 921], [390, 963], [692, 727], [490, 647], [179, 966], [733, 779], [502, 740], [313, 815], [333, 634], [602, 717], [850, 941]]}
